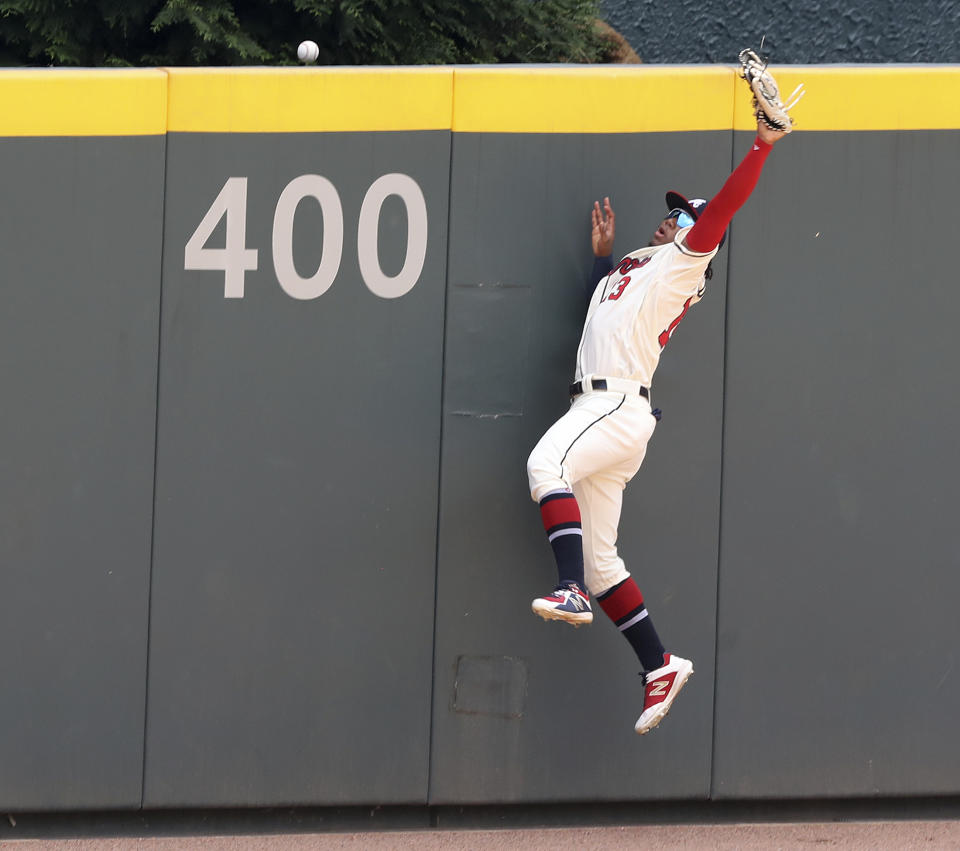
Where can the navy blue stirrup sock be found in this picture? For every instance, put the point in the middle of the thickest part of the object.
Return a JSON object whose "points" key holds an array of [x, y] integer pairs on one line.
{"points": [[624, 605], [561, 520]]}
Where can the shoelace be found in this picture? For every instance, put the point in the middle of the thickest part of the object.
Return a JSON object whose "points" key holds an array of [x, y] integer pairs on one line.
{"points": [[645, 677]]}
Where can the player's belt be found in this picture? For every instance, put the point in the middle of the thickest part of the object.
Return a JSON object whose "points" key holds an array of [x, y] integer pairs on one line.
{"points": [[617, 385]]}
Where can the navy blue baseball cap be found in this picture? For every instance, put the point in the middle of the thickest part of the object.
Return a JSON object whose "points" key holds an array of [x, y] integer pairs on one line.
{"points": [[694, 206]]}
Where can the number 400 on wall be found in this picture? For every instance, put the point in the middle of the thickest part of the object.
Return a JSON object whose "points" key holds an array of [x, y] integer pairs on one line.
{"points": [[234, 260]]}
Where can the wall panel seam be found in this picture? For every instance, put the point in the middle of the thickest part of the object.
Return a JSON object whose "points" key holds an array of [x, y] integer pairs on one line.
{"points": [[723, 434], [156, 432], [443, 384]]}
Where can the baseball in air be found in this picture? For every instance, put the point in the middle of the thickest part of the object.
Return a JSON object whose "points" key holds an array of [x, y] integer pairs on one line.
{"points": [[308, 51]]}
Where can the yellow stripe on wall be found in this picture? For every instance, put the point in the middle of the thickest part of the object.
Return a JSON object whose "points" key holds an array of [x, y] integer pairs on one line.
{"points": [[102, 102], [505, 99], [292, 100], [865, 97], [592, 99]]}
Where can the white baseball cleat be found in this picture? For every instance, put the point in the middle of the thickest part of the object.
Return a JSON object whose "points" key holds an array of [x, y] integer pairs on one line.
{"points": [[661, 688]]}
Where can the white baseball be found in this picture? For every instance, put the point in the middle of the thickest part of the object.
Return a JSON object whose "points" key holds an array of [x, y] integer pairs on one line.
{"points": [[308, 51]]}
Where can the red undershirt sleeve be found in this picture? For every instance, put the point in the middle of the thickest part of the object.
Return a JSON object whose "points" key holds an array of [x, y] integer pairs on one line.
{"points": [[706, 233]]}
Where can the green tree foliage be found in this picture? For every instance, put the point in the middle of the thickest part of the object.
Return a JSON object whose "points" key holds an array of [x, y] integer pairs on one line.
{"points": [[91, 33]]}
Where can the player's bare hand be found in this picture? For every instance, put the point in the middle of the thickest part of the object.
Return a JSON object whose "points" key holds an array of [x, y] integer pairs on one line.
{"points": [[768, 134], [604, 226]]}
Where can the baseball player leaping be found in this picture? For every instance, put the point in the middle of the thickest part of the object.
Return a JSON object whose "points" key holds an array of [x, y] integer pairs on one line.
{"points": [[578, 470]]}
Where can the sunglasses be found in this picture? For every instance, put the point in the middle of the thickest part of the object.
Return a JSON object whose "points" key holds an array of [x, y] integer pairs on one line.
{"points": [[684, 219]]}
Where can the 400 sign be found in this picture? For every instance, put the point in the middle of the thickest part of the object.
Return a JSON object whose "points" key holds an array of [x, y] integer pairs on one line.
{"points": [[234, 260]]}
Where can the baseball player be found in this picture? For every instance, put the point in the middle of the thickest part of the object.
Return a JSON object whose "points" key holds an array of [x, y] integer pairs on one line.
{"points": [[578, 470]]}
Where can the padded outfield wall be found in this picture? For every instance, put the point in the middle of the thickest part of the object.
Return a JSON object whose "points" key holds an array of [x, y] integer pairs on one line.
{"points": [[277, 344]]}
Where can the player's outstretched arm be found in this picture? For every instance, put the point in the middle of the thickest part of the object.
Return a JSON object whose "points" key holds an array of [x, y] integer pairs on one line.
{"points": [[705, 235], [771, 114]]}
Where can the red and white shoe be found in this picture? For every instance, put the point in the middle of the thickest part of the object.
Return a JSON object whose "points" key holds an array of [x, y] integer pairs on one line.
{"points": [[662, 687]]}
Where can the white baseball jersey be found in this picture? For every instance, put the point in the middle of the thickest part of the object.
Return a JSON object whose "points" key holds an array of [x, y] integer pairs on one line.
{"points": [[635, 309]]}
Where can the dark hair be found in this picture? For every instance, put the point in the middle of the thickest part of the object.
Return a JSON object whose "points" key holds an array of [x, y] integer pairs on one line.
{"points": [[708, 273]]}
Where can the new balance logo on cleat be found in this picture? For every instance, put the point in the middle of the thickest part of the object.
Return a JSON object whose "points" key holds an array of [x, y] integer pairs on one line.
{"points": [[567, 602], [661, 688]]}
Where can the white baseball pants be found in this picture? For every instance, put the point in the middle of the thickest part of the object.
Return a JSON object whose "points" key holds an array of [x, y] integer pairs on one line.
{"points": [[594, 450]]}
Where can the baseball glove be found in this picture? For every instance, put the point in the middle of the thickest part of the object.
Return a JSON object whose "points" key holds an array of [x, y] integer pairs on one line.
{"points": [[767, 105]]}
